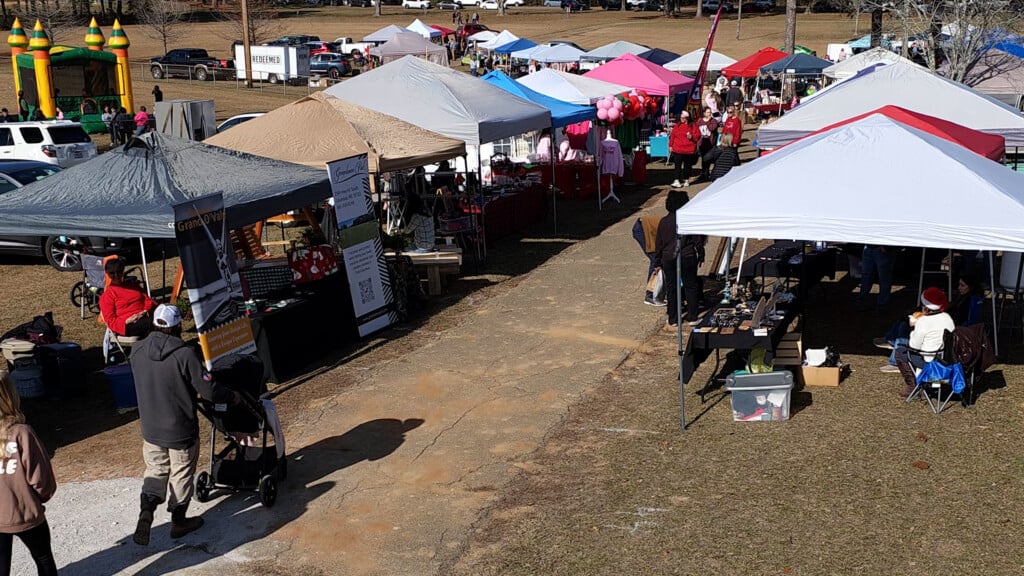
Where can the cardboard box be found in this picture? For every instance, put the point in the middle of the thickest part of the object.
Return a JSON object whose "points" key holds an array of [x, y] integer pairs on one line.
{"points": [[817, 376]]}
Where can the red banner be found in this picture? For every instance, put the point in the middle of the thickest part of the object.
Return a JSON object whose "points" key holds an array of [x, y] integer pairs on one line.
{"points": [[702, 72]]}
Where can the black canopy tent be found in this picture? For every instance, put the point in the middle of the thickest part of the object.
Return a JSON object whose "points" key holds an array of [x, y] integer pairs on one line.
{"points": [[130, 191]]}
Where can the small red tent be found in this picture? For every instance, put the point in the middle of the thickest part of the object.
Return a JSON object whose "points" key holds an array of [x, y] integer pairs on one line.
{"points": [[749, 66], [990, 146]]}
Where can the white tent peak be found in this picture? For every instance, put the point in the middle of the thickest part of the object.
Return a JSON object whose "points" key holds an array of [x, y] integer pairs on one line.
{"points": [[385, 33], [613, 50], [690, 62], [422, 29], [570, 87], [902, 84], [504, 37], [961, 201], [857, 62]]}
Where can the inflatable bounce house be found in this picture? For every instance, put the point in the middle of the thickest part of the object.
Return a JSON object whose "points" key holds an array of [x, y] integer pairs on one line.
{"points": [[73, 83]]}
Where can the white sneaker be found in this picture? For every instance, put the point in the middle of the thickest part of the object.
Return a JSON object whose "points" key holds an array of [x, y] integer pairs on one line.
{"points": [[686, 183], [676, 184]]}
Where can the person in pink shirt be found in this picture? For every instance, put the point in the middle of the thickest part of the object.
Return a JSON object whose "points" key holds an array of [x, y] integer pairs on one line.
{"points": [[141, 121]]}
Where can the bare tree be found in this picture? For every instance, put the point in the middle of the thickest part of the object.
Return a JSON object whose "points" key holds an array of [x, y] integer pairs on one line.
{"points": [[263, 22], [58, 20], [377, 7], [790, 26], [162, 20]]}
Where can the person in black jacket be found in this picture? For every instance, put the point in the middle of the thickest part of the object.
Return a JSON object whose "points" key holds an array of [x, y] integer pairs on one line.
{"points": [[724, 158], [168, 374], [665, 250]]}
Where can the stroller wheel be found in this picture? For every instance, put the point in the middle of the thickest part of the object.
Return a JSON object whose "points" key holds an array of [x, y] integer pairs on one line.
{"points": [[77, 294], [282, 468], [203, 486], [268, 490]]}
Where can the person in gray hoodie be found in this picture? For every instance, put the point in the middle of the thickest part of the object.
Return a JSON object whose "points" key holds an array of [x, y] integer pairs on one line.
{"points": [[168, 375]]}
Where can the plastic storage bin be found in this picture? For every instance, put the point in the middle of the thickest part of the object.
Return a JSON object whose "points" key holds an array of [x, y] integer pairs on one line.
{"points": [[28, 378], [760, 397], [122, 385], [14, 349]]}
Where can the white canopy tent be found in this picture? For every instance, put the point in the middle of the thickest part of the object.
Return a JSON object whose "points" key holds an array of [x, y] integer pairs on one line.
{"points": [[849, 67], [409, 43], [613, 50], [961, 201], [422, 29], [448, 102], [483, 36], [558, 53], [384, 34], [527, 53], [898, 84], [504, 37], [569, 87], [690, 62]]}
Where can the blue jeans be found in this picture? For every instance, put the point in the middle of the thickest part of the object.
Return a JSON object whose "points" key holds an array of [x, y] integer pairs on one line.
{"points": [[915, 359], [874, 262]]}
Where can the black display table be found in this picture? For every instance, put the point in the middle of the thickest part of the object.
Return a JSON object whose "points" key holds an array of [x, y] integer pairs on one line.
{"points": [[776, 261]]}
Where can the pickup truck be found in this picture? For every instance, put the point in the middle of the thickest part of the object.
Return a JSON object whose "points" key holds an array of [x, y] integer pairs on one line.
{"points": [[345, 45], [191, 63]]}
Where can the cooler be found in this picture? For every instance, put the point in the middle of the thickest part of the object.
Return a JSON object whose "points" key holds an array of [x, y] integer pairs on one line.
{"points": [[15, 349], [122, 386], [760, 397]]}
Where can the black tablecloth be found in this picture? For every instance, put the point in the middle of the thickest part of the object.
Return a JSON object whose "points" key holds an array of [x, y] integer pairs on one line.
{"points": [[774, 262], [700, 344], [290, 338]]}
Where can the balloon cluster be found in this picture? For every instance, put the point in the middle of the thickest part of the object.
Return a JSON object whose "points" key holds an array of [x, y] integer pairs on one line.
{"points": [[614, 110]]}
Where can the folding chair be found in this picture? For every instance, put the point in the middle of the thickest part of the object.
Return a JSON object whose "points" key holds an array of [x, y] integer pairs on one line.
{"points": [[943, 355], [88, 291], [964, 356]]}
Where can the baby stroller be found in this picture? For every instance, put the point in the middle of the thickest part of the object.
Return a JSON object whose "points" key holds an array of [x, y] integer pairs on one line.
{"points": [[246, 462]]}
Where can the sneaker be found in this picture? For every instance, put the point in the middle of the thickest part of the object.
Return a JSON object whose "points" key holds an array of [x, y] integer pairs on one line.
{"points": [[890, 369], [650, 301], [660, 302], [676, 184], [693, 322], [882, 343], [686, 183]]}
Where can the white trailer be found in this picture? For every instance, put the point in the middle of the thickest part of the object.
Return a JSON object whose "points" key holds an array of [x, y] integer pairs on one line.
{"points": [[274, 64]]}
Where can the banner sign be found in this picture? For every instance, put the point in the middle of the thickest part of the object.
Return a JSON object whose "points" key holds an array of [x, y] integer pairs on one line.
{"points": [[361, 249], [211, 275], [702, 71]]}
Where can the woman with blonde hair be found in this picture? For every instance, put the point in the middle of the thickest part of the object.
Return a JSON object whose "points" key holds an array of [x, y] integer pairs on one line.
{"points": [[26, 483], [723, 158]]}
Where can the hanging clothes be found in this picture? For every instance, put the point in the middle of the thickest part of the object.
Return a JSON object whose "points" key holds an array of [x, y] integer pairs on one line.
{"points": [[609, 157], [577, 134], [628, 135]]}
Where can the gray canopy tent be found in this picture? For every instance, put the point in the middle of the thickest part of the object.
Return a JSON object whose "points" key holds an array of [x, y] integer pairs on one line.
{"points": [[130, 191]]}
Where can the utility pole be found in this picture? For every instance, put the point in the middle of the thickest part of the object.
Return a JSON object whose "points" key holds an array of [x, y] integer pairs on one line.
{"points": [[245, 44]]}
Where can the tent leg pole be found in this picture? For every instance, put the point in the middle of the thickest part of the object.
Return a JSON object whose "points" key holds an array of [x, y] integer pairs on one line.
{"points": [[163, 265], [739, 268], [679, 333], [554, 190], [992, 290], [920, 278], [145, 269]]}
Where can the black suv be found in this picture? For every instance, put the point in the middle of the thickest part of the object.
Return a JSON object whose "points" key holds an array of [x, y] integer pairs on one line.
{"points": [[62, 252], [294, 40]]}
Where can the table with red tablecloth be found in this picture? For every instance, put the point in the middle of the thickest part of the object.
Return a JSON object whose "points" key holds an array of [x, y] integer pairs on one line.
{"points": [[511, 211]]}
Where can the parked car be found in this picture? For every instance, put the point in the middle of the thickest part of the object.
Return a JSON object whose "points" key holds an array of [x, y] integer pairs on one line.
{"points": [[319, 47], [762, 5], [511, 3], [60, 251], [651, 6], [53, 142], [712, 6], [332, 64], [191, 63], [236, 120], [469, 29], [553, 3], [419, 4], [294, 40], [574, 6], [611, 4]]}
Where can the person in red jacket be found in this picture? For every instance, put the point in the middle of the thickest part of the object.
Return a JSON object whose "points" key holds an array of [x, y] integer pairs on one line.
{"points": [[124, 304], [733, 126], [682, 143]]}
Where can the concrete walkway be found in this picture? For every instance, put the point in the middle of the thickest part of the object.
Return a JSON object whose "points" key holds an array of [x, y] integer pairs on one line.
{"points": [[389, 476]]}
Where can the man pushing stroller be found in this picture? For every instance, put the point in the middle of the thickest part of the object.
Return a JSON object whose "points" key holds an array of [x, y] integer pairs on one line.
{"points": [[168, 375]]}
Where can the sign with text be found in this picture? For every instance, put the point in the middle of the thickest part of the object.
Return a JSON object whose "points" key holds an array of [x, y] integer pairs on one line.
{"points": [[214, 289], [361, 249]]}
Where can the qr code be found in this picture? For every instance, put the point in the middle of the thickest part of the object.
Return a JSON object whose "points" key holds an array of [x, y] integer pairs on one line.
{"points": [[366, 290]]}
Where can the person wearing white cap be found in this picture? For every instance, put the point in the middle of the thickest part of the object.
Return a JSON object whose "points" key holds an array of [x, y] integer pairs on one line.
{"points": [[168, 375], [734, 97]]}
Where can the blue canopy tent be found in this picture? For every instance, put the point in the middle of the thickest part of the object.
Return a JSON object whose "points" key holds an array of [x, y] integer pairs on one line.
{"points": [[658, 56], [796, 64], [562, 113], [521, 44]]}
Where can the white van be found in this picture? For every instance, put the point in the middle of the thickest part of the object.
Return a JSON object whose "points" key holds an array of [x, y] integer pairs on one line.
{"points": [[55, 142]]}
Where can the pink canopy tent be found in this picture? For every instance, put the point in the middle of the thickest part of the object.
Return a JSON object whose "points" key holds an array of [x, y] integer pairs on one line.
{"points": [[640, 74]]}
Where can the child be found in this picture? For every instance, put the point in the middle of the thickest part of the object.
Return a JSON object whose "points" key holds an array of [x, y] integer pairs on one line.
{"points": [[26, 483]]}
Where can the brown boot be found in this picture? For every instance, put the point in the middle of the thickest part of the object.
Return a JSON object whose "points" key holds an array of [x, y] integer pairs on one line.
{"points": [[180, 525], [141, 536]]}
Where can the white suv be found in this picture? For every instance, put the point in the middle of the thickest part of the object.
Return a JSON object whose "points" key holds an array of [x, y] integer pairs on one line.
{"points": [[55, 142], [416, 4]]}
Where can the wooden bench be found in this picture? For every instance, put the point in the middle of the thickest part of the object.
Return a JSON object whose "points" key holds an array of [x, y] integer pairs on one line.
{"points": [[446, 260]]}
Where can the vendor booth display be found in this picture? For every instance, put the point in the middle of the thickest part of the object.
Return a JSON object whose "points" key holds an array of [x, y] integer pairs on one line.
{"points": [[903, 85], [797, 64], [320, 128], [690, 62], [854, 64], [629, 70], [406, 44], [569, 87], [483, 36], [751, 65]]}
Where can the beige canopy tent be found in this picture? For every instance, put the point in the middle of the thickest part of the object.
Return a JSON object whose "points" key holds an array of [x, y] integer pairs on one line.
{"points": [[320, 128], [410, 44]]}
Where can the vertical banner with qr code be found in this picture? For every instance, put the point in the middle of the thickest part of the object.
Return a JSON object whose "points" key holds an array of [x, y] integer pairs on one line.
{"points": [[361, 249], [211, 276]]}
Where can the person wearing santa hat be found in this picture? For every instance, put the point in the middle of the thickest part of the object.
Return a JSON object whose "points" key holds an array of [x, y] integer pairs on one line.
{"points": [[929, 326]]}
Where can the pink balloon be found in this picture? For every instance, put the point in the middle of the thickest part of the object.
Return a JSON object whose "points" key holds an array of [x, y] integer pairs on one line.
{"points": [[602, 104], [602, 113], [617, 104], [613, 114]]}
